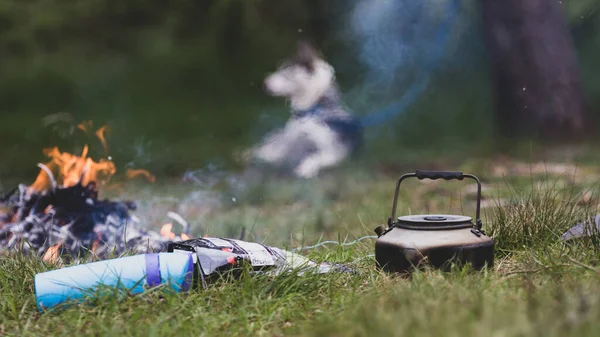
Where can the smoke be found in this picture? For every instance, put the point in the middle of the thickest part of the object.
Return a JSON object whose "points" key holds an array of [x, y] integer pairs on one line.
{"points": [[400, 43], [388, 36]]}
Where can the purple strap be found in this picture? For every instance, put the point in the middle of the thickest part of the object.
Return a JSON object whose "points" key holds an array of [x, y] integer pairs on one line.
{"points": [[152, 270]]}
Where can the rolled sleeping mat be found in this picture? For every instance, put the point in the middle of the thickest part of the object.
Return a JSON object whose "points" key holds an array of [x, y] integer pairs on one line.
{"points": [[131, 273]]}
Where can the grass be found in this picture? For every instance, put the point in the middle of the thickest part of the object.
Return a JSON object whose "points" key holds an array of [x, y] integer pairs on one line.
{"points": [[538, 286]]}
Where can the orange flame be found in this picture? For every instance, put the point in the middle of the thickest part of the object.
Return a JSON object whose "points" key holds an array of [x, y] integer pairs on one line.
{"points": [[71, 169], [66, 170], [166, 231], [51, 254], [132, 173], [83, 126], [95, 245], [100, 134]]}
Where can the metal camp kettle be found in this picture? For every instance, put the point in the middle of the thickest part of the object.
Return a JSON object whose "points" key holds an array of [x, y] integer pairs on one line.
{"points": [[438, 240]]}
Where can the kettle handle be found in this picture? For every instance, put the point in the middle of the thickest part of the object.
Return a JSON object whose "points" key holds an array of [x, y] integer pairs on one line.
{"points": [[434, 175]]}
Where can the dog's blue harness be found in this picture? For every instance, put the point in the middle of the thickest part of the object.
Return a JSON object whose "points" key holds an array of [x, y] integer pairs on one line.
{"points": [[328, 111], [313, 111], [327, 108]]}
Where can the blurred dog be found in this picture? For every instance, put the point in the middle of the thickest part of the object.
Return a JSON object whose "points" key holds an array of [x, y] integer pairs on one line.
{"points": [[320, 133]]}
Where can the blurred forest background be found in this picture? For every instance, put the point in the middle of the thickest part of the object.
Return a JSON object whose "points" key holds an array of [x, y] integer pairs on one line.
{"points": [[180, 82]]}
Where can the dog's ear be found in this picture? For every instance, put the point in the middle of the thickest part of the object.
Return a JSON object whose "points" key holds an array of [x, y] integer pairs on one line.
{"points": [[306, 55]]}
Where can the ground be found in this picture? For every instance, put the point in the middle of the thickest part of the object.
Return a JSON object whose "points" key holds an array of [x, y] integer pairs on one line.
{"points": [[538, 285]]}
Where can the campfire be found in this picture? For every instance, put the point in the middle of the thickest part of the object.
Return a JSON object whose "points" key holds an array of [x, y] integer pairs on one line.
{"points": [[61, 214]]}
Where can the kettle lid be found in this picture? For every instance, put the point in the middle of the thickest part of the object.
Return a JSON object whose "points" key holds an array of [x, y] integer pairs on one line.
{"points": [[434, 221]]}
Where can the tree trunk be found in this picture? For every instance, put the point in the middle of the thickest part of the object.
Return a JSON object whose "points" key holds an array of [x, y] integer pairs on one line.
{"points": [[537, 82]]}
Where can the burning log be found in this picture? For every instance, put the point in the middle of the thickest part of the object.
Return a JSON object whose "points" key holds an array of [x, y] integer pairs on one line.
{"points": [[61, 213], [73, 221]]}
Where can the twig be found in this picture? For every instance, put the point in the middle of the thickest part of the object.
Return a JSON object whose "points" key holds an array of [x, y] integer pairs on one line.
{"points": [[83, 171], [49, 173], [499, 265], [180, 220], [532, 271], [581, 264], [9, 194], [21, 205]]}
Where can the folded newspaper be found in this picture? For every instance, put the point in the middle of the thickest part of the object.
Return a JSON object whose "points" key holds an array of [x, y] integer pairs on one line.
{"points": [[214, 256]]}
